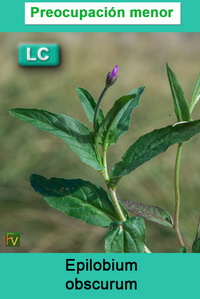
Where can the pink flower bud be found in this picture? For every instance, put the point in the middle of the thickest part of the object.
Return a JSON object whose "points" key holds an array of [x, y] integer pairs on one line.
{"points": [[112, 76]]}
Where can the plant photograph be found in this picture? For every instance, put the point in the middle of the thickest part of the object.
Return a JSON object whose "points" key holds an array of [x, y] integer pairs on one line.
{"points": [[100, 154]]}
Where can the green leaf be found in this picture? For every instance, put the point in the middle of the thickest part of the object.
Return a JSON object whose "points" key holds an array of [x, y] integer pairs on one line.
{"points": [[76, 198], [180, 104], [117, 119], [126, 237], [73, 132], [196, 95], [196, 243], [152, 144], [183, 249], [89, 105], [152, 213], [196, 246]]}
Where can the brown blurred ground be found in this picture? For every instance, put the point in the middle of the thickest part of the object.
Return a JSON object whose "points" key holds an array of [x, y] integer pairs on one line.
{"points": [[86, 59]]}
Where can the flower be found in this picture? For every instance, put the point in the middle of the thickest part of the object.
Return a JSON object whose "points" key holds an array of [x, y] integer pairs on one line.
{"points": [[112, 76]]}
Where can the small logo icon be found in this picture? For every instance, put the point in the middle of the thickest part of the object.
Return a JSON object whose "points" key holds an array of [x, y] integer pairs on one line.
{"points": [[12, 239]]}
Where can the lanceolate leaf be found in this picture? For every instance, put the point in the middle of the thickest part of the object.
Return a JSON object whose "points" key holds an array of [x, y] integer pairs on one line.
{"points": [[196, 95], [123, 121], [152, 144], [70, 130], [152, 213], [117, 119], [89, 104], [76, 198], [126, 237], [180, 104]]}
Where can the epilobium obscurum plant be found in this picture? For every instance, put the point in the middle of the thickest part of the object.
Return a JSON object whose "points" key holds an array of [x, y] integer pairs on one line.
{"points": [[92, 204]]}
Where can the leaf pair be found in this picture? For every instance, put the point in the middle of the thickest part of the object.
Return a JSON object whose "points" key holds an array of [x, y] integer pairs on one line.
{"points": [[79, 137], [156, 142], [117, 120], [84, 201]]}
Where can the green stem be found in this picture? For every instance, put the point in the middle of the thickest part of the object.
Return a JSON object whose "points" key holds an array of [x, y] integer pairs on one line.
{"points": [[112, 192], [95, 122], [97, 150], [116, 204], [106, 176], [103, 161], [177, 194], [146, 249], [95, 125], [119, 211], [117, 182]]}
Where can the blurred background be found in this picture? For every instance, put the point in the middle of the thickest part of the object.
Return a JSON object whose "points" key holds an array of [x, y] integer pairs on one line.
{"points": [[86, 60]]}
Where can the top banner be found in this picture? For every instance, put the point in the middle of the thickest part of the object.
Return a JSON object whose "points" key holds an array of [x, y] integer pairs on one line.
{"points": [[100, 16], [112, 13]]}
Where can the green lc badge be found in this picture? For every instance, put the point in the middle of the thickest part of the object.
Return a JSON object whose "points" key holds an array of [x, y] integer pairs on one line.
{"points": [[39, 55]]}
